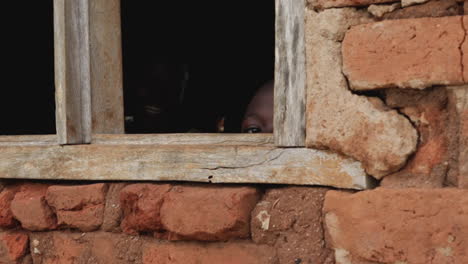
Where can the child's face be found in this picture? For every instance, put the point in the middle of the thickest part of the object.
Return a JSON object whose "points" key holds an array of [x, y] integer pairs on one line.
{"points": [[258, 117]]}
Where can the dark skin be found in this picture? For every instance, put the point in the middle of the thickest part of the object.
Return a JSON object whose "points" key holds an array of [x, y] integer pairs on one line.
{"points": [[258, 116]]}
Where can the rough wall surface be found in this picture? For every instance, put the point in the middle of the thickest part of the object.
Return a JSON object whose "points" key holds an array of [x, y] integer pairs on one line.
{"points": [[358, 126], [386, 85], [410, 57]]}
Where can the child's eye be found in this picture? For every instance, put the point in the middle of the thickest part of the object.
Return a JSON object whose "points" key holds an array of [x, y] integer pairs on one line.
{"points": [[252, 130]]}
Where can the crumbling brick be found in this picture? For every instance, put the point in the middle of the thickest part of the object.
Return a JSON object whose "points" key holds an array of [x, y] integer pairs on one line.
{"points": [[30, 208], [13, 246]]}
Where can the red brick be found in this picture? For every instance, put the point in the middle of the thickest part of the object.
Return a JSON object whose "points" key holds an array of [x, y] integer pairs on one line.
{"points": [[406, 53], [77, 196], [13, 246], [30, 208], [87, 219], [141, 205], [428, 111], [209, 213], [6, 216], [416, 226], [342, 3], [194, 253], [290, 220], [80, 206]]}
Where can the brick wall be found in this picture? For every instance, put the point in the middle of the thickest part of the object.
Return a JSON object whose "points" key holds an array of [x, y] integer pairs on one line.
{"points": [[161, 223], [386, 86]]}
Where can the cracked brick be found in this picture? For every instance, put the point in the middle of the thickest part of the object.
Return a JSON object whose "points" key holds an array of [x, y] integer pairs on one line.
{"points": [[428, 111]]}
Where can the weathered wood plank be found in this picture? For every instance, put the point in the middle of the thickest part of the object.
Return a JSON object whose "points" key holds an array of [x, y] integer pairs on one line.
{"points": [[29, 140], [150, 139], [201, 163], [72, 71], [106, 67], [290, 74], [186, 139]]}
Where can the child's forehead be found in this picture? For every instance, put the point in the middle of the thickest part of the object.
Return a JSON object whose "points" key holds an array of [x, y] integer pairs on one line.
{"points": [[263, 96]]}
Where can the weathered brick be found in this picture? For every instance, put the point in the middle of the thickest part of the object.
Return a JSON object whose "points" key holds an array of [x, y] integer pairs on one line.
{"points": [[416, 226], [209, 213], [87, 219], [83, 248], [411, 53], [342, 3], [434, 8], [193, 253], [78, 206], [113, 211], [13, 246], [6, 216], [141, 205], [30, 208], [428, 112], [77, 196], [290, 220], [360, 127]]}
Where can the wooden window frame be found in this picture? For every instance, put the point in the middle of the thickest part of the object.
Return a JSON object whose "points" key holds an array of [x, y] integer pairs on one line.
{"points": [[90, 144]]}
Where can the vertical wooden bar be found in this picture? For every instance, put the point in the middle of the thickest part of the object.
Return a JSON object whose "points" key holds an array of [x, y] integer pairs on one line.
{"points": [[290, 74], [72, 71], [106, 67]]}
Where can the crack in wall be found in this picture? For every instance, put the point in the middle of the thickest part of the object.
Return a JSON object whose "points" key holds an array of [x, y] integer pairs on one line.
{"points": [[249, 165], [418, 135], [460, 48]]}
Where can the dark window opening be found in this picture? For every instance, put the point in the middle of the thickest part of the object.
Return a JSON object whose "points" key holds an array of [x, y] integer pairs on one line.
{"points": [[189, 64], [27, 104]]}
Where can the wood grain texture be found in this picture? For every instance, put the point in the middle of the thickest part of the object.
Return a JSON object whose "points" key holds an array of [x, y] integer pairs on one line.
{"points": [[106, 67], [31, 140], [186, 139], [290, 74], [150, 139], [199, 163], [72, 71]]}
